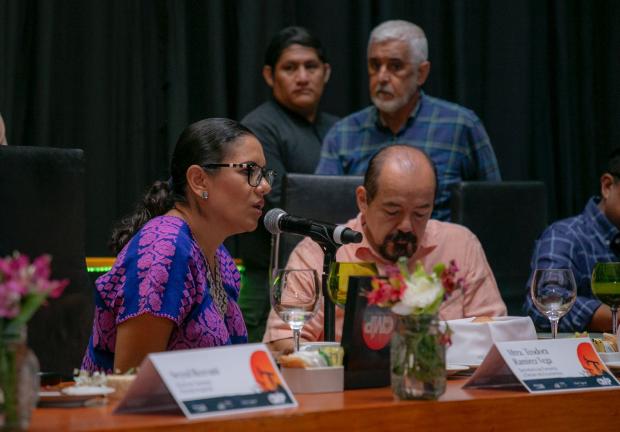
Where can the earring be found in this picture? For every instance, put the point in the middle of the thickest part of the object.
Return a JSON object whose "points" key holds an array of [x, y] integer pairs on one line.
{"points": [[204, 195]]}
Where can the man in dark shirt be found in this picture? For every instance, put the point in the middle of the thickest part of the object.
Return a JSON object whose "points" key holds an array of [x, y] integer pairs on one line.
{"points": [[291, 129]]}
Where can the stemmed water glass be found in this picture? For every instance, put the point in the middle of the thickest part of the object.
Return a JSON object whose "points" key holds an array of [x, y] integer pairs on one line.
{"points": [[553, 292], [295, 298], [606, 287]]}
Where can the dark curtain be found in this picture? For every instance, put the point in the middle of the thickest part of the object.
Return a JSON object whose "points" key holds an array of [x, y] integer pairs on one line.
{"points": [[121, 78]]}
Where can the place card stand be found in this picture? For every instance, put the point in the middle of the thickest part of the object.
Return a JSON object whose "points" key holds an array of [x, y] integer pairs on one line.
{"points": [[544, 366], [208, 382], [366, 338]]}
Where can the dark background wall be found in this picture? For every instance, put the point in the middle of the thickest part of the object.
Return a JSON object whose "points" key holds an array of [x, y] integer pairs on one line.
{"points": [[121, 78]]}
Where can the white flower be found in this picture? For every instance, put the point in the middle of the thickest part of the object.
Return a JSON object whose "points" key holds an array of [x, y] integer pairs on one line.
{"points": [[421, 292]]}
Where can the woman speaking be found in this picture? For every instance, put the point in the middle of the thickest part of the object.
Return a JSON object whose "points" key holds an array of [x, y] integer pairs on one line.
{"points": [[174, 285]]}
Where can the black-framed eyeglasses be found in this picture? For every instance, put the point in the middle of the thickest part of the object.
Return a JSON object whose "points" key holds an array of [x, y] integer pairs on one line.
{"points": [[255, 172]]}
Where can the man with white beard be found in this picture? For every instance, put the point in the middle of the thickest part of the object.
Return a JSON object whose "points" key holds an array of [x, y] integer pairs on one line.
{"points": [[451, 135]]}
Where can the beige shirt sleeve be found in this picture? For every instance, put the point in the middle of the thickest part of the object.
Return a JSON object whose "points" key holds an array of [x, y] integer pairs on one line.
{"points": [[306, 255]]}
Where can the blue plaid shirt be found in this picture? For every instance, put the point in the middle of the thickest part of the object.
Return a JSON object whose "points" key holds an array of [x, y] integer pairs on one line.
{"points": [[452, 136], [576, 243]]}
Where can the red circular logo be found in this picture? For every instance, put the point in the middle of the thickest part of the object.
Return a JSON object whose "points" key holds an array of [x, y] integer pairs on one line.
{"points": [[377, 327]]}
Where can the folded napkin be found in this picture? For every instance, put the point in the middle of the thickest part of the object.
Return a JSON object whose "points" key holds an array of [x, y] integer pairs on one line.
{"points": [[471, 341]]}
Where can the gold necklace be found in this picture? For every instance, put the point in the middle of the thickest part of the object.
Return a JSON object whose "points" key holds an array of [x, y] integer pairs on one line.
{"points": [[216, 288], [214, 278]]}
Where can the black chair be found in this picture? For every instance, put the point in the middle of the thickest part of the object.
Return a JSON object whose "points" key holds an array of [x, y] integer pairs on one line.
{"points": [[507, 217], [318, 197], [42, 196]]}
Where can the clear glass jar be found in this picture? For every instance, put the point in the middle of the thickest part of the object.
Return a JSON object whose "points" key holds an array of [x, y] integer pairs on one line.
{"points": [[19, 381], [418, 358]]}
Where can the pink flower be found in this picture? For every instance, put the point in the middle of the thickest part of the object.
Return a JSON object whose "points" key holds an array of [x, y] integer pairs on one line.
{"points": [[42, 267], [385, 292], [9, 301], [57, 287], [21, 281], [416, 292]]}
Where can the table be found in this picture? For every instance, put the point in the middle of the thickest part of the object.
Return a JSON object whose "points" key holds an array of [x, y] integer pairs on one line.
{"points": [[374, 410]]}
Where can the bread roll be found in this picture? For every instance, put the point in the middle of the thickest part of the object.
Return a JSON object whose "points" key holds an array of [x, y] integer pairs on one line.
{"points": [[482, 319]]}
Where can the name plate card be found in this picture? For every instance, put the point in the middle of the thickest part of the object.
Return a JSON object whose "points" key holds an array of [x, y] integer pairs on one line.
{"points": [[208, 382], [544, 366]]}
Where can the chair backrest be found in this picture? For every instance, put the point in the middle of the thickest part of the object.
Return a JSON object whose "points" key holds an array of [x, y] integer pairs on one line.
{"points": [[42, 196], [318, 197], [507, 217]]}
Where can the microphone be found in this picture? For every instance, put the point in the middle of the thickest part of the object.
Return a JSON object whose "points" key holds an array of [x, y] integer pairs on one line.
{"points": [[278, 221]]}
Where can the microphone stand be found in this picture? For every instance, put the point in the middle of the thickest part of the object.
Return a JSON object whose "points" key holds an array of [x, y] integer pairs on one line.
{"points": [[329, 310]]}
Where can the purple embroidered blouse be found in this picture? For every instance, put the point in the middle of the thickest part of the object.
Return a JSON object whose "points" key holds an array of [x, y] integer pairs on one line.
{"points": [[162, 272]]}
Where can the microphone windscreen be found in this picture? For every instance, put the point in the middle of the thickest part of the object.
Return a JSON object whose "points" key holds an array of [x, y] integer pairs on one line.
{"points": [[271, 220]]}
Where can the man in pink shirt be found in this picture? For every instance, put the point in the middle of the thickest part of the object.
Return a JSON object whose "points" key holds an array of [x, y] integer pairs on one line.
{"points": [[395, 203]]}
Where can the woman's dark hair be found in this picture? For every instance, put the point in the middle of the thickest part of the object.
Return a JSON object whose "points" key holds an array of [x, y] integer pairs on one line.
{"points": [[204, 142], [292, 36]]}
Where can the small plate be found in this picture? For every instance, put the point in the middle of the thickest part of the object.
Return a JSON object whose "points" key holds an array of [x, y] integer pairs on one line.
{"points": [[472, 366], [452, 369], [74, 396], [87, 390], [57, 399]]}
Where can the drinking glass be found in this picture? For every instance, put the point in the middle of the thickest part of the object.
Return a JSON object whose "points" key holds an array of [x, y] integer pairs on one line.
{"points": [[606, 287], [553, 292], [338, 282], [295, 298]]}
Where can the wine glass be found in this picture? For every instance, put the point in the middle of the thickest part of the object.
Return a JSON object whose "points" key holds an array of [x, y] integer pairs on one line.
{"points": [[606, 287], [554, 292], [338, 282], [295, 298]]}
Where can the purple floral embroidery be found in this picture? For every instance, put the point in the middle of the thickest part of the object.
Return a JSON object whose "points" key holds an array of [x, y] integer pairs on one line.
{"points": [[147, 238], [235, 320], [145, 261], [166, 248], [162, 271], [104, 330]]}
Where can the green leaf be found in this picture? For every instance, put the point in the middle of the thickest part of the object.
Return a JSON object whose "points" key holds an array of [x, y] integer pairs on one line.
{"points": [[439, 269], [29, 306], [419, 271], [403, 267]]}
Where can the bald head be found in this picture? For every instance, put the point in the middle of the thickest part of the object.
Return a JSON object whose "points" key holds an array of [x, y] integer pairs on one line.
{"points": [[397, 200], [402, 164]]}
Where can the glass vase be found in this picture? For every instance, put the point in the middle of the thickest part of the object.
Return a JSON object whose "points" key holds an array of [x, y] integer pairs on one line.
{"points": [[19, 382], [418, 358]]}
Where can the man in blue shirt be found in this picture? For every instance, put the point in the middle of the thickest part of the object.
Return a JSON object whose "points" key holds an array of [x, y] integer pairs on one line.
{"points": [[452, 136], [578, 243]]}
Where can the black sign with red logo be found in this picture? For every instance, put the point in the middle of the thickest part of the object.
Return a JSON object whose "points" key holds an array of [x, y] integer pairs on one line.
{"points": [[366, 338]]}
